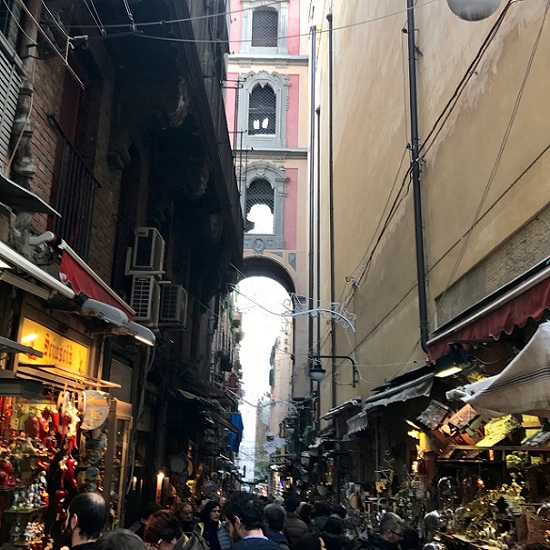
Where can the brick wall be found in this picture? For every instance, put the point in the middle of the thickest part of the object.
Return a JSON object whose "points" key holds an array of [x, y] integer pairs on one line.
{"points": [[521, 251], [48, 91]]}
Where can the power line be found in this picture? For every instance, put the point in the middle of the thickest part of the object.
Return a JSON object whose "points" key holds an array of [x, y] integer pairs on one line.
{"points": [[500, 153], [245, 41]]}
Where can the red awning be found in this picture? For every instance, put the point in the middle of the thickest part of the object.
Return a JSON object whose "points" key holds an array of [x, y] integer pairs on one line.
{"points": [[83, 279], [525, 301]]}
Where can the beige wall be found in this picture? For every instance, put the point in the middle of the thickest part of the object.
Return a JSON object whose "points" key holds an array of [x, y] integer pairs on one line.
{"points": [[371, 130]]}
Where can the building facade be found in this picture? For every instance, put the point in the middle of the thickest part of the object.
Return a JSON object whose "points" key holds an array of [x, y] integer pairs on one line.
{"points": [[455, 160], [266, 97], [120, 223]]}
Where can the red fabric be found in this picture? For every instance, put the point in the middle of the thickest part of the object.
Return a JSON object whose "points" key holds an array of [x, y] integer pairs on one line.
{"points": [[516, 312], [81, 281]]}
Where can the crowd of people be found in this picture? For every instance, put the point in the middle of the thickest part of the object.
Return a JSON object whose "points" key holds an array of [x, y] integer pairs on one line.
{"points": [[244, 522]]}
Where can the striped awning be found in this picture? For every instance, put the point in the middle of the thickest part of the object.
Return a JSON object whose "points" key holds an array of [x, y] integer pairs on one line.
{"points": [[522, 387]]}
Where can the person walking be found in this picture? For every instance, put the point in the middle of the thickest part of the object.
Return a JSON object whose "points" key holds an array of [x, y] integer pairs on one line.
{"points": [[320, 517], [294, 527], [388, 537], [244, 516], [120, 539], [211, 529], [86, 517], [163, 532], [275, 520], [334, 534]]}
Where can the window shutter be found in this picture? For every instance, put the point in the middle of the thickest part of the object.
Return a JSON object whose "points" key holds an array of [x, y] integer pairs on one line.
{"points": [[10, 82]]}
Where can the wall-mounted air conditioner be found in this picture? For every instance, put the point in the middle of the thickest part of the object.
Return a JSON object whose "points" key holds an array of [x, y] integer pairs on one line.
{"points": [[145, 299], [147, 253], [173, 304]]}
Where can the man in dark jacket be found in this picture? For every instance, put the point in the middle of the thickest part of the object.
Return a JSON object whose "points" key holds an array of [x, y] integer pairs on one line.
{"points": [[244, 518], [322, 512], [294, 527], [388, 537], [275, 520]]}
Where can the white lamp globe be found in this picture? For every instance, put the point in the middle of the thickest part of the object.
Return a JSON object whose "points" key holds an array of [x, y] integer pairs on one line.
{"points": [[317, 372], [473, 10]]}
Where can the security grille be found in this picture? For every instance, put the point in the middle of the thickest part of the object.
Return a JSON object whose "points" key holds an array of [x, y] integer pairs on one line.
{"points": [[75, 191], [264, 28], [262, 108], [259, 192]]}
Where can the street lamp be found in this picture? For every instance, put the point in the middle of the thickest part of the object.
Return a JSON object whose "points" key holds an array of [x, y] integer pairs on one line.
{"points": [[473, 10], [316, 371]]}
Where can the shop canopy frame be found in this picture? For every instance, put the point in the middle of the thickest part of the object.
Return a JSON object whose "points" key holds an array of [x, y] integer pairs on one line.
{"points": [[61, 378]]}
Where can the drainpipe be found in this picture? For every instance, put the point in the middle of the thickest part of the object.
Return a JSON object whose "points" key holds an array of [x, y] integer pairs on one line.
{"points": [[313, 38], [318, 257], [331, 206], [415, 170]]}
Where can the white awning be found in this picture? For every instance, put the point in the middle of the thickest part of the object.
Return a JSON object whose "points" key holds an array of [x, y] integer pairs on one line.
{"points": [[356, 402], [358, 423], [522, 387], [421, 387]]}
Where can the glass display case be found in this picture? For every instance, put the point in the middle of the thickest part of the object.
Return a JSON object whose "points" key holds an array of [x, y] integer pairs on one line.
{"points": [[116, 460]]}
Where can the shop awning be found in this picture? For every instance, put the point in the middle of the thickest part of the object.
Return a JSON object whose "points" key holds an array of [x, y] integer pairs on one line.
{"points": [[219, 419], [421, 387], [522, 387], [513, 305], [22, 200], [57, 376], [356, 402], [18, 261], [358, 423], [74, 270], [187, 395]]}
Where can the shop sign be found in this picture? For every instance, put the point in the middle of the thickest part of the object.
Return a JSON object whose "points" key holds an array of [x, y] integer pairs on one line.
{"points": [[58, 350]]}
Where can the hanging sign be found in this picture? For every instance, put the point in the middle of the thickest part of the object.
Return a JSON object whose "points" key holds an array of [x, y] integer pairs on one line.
{"points": [[57, 349]]}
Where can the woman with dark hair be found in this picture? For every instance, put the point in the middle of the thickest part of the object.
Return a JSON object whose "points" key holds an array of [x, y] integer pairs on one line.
{"points": [[212, 529], [310, 542], [334, 533], [163, 532], [305, 511]]}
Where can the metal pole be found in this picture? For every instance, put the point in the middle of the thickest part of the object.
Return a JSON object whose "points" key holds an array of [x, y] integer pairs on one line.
{"points": [[313, 45], [318, 256], [331, 202], [415, 170]]}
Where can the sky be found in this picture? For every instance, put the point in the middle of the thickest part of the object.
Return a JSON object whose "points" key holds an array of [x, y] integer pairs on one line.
{"points": [[260, 328]]}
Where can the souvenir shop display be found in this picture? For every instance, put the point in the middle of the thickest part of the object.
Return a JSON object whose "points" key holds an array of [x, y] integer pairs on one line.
{"points": [[45, 459]]}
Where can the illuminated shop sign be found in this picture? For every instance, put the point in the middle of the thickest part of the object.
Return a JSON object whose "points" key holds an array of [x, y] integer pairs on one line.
{"points": [[58, 350]]}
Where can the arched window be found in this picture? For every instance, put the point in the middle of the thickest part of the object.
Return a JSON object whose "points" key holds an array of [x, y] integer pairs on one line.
{"points": [[263, 201], [265, 24], [262, 111], [260, 206], [263, 104]]}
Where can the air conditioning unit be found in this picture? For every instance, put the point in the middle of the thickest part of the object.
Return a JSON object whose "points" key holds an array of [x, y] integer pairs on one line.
{"points": [[145, 299], [173, 304], [148, 251]]}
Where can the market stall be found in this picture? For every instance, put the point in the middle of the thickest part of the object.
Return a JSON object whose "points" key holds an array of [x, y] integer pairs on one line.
{"points": [[491, 482]]}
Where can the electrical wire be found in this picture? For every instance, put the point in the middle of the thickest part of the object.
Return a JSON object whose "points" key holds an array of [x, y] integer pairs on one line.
{"points": [[466, 237], [162, 22], [54, 19], [50, 43], [245, 41], [470, 72], [95, 16]]}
